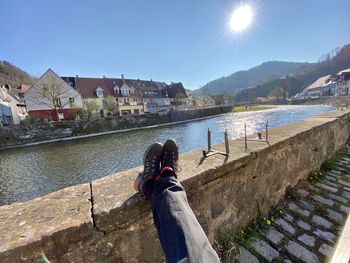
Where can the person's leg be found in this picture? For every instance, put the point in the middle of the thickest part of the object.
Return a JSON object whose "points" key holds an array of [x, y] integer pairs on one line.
{"points": [[181, 236]]}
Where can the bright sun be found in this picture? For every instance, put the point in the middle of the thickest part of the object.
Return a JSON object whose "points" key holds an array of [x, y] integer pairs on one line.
{"points": [[241, 18]]}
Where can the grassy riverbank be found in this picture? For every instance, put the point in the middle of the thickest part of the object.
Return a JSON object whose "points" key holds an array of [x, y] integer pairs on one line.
{"points": [[252, 108]]}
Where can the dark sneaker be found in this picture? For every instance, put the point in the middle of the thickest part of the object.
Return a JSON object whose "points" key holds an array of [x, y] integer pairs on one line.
{"points": [[170, 156], [151, 162]]}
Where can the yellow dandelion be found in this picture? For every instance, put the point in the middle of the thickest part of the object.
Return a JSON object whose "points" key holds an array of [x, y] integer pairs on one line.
{"points": [[268, 222]]}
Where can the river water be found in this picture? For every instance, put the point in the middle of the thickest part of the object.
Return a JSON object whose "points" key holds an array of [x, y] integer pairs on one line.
{"points": [[30, 172]]}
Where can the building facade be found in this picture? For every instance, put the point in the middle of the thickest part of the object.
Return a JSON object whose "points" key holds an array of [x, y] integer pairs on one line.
{"points": [[336, 85], [131, 96], [12, 107], [344, 81], [321, 87], [52, 98], [6, 118], [108, 95]]}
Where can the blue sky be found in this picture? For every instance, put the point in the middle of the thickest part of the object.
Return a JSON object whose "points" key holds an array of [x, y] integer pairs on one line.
{"points": [[182, 40]]}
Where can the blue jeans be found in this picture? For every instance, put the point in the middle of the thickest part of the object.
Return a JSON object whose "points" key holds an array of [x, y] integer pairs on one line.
{"points": [[181, 236]]}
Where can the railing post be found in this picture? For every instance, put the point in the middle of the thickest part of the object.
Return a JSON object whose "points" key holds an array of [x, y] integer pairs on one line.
{"points": [[209, 140], [245, 136], [226, 142]]}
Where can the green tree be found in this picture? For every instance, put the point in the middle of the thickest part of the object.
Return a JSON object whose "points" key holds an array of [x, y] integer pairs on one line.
{"points": [[90, 107], [110, 103]]}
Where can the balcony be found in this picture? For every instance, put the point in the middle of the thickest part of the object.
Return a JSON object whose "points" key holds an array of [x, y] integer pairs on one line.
{"points": [[133, 103]]}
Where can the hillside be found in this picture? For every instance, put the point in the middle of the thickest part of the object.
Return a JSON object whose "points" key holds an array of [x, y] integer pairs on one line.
{"points": [[296, 82], [249, 78], [10, 74]]}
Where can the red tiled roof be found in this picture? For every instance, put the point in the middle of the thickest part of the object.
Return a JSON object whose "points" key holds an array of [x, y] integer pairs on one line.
{"points": [[175, 90], [87, 86]]}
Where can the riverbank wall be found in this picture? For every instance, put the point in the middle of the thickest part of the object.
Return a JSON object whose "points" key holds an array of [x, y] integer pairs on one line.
{"points": [[105, 221], [28, 133]]}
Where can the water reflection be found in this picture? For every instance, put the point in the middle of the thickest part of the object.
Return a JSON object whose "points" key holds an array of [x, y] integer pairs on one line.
{"points": [[30, 172]]}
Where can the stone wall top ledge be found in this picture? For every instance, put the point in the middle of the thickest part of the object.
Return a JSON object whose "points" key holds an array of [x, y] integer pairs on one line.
{"points": [[25, 223]]}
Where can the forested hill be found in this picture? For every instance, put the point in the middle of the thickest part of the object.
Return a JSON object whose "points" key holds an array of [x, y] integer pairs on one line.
{"points": [[296, 82], [249, 78], [10, 74]]}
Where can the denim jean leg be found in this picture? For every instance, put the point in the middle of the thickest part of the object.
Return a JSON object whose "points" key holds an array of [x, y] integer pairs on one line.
{"points": [[181, 236]]}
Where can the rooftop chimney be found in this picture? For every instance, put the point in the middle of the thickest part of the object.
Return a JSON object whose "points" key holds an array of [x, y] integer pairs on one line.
{"points": [[123, 77], [76, 82]]}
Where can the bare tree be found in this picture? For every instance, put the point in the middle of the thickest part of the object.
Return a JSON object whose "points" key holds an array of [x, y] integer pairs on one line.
{"points": [[277, 93], [51, 93], [285, 87], [203, 96]]}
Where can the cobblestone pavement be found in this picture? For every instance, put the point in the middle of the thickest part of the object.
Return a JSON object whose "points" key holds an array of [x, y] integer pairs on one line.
{"points": [[310, 224]]}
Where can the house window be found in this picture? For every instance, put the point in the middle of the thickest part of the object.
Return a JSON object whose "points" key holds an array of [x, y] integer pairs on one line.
{"points": [[125, 91], [116, 89], [99, 92], [71, 102]]}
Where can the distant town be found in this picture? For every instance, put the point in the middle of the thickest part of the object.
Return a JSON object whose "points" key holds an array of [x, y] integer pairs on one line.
{"points": [[326, 86], [55, 98]]}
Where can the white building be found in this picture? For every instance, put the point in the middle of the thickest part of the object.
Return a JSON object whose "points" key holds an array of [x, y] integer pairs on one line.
{"points": [[51, 97], [6, 118], [151, 93], [344, 82], [322, 87], [12, 110]]}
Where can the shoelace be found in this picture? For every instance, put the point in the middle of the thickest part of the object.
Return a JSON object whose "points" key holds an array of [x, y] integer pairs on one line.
{"points": [[174, 161], [149, 166]]}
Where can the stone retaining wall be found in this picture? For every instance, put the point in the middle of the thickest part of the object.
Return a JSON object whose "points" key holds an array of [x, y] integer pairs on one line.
{"points": [[105, 221]]}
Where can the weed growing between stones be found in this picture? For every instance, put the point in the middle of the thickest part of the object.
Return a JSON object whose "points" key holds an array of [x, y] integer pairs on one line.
{"points": [[330, 164], [226, 248], [326, 166], [315, 177], [227, 245], [320, 210], [291, 194]]}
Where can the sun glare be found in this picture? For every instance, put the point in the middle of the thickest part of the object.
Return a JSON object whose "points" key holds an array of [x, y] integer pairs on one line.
{"points": [[241, 18]]}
